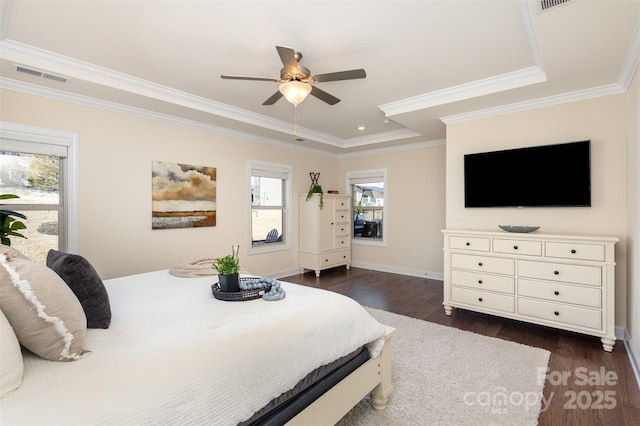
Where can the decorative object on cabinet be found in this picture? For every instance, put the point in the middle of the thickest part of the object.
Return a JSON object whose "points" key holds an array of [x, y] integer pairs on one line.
{"points": [[324, 233], [315, 188], [518, 228], [183, 196], [561, 281]]}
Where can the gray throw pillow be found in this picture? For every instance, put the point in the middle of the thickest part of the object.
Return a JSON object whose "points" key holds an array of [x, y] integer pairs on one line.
{"points": [[85, 283]]}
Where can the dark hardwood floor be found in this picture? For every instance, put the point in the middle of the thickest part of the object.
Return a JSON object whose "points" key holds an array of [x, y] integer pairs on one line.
{"points": [[601, 388]]}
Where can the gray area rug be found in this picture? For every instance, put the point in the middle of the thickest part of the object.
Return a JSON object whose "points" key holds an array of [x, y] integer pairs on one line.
{"points": [[446, 376]]}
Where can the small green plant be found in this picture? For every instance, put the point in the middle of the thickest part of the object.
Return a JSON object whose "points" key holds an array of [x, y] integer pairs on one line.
{"points": [[315, 188], [9, 226], [227, 265]]}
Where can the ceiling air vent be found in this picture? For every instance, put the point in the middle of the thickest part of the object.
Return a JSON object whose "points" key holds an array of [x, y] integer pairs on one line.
{"points": [[548, 4], [42, 74]]}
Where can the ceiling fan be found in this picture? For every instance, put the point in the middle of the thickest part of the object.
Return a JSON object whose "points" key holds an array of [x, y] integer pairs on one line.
{"points": [[296, 80]]}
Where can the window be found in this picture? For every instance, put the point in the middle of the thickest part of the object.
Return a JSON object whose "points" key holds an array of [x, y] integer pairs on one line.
{"points": [[368, 189], [38, 165], [270, 197]]}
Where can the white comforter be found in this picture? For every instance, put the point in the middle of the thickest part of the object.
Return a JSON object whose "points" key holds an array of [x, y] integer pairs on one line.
{"points": [[175, 355]]}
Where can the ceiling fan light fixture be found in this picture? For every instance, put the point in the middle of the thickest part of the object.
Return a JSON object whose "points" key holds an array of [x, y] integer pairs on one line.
{"points": [[295, 91]]}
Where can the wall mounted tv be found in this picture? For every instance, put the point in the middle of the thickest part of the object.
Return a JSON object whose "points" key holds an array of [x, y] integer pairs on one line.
{"points": [[540, 176]]}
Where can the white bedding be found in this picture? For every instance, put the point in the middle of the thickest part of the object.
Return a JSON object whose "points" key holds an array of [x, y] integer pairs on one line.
{"points": [[175, 355]]}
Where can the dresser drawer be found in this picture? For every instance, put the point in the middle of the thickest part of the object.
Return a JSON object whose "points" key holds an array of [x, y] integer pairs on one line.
{"points": [[339, 257], [531, 248], [588, 275], [483, 281], [342, 216], [497, 265], [342, 229], [342, 241], [557, 312], [556, 292], [469, 243], [495, 301], [576, 251]]}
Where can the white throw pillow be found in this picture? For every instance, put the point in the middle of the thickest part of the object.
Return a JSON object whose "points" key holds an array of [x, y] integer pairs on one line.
{"points": [[11, 366]]}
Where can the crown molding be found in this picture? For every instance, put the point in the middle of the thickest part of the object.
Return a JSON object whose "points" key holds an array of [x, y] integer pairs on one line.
{"points": [[36, 90], [32, 89], [500, 83], [393, 135], [580, 95], [632, 61], [389, 150]]}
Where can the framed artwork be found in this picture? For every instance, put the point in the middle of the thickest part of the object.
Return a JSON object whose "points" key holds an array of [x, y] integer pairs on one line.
{"points": [[183, 196]]}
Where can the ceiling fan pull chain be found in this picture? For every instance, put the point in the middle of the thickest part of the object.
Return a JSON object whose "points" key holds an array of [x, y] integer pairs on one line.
{"points": [[295, 129]]}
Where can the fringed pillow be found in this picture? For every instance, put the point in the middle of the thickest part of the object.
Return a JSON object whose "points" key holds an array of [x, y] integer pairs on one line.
{"points": [[45, 314]]}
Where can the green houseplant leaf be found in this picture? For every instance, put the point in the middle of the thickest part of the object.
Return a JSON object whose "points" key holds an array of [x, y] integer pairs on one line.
{"points": [[227, 265], [9, 225]]}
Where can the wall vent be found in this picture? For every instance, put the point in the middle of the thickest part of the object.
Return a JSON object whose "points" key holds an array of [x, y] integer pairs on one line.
{"points": [[42, 74], [548, 4]]}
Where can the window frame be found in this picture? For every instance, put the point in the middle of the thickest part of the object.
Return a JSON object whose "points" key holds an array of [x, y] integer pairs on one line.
{"points": [[40, 140], [374, 175], [268, 169]]}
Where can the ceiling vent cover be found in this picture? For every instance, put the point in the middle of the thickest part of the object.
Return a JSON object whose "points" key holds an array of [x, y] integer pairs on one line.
{"points": [[42, 74], [548, 4]]}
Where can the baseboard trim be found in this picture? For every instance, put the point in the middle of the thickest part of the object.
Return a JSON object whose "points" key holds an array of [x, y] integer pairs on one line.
{"points": [[402, 271], [634, 358], [375, 267]]}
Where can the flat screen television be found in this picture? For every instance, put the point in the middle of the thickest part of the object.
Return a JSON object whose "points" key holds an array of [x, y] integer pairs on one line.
{"points": [[556, 175]]}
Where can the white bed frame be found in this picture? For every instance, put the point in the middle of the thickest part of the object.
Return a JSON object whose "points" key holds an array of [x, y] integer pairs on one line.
{"points": [[373, 377]]}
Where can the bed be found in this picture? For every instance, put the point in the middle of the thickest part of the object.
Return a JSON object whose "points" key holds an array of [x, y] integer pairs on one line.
{"points": [[173, 354]]}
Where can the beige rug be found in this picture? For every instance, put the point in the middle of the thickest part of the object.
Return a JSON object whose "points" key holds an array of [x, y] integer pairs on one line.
{"points": [[446, 376]]}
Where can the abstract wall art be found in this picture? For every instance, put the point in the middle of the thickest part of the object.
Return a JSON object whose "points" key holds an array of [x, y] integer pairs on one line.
{"points": [[183, 196]]}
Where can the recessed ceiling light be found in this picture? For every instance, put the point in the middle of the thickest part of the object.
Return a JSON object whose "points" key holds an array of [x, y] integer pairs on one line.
{"points": [[361, 127]]}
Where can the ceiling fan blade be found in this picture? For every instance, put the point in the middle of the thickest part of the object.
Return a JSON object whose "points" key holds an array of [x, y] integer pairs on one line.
{"points": [[324, 96], [340, 75], [240, 77], [272, 100], [289, 60]]}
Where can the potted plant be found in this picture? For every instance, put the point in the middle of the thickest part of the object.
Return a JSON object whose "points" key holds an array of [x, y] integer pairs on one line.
{"points": [[228, 268], [10, 225], [315, 188]]}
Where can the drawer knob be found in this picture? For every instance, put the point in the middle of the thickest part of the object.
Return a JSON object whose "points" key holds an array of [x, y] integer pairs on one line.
{"points": [[556, 272], [479, 281], [557, 293], [468, 243], [479, 263], [515, 247], [326, 260], [556, 313], [573, 251], [479, 299]]}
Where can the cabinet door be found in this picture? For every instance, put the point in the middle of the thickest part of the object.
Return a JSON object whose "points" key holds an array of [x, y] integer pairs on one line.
{"points": [[326, 225]]}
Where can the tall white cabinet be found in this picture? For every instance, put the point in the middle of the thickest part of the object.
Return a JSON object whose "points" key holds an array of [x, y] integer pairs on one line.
{"points": [[324, 233], [561, 281]]}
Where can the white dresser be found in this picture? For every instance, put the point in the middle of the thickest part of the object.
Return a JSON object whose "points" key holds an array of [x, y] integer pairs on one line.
{"points": [[324, 233], [561, 281]]}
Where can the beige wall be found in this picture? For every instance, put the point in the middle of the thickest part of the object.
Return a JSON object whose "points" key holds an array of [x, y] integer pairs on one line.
{"points": [[603, 121], [115, 152], [415, 197], [633, 247]]}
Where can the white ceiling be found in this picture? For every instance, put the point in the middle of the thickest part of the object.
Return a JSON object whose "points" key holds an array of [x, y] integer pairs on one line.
{"points": [[427, 62]]}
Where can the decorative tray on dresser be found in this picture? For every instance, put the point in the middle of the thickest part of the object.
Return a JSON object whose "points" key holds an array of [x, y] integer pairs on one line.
{"points": [[561, 281]]}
